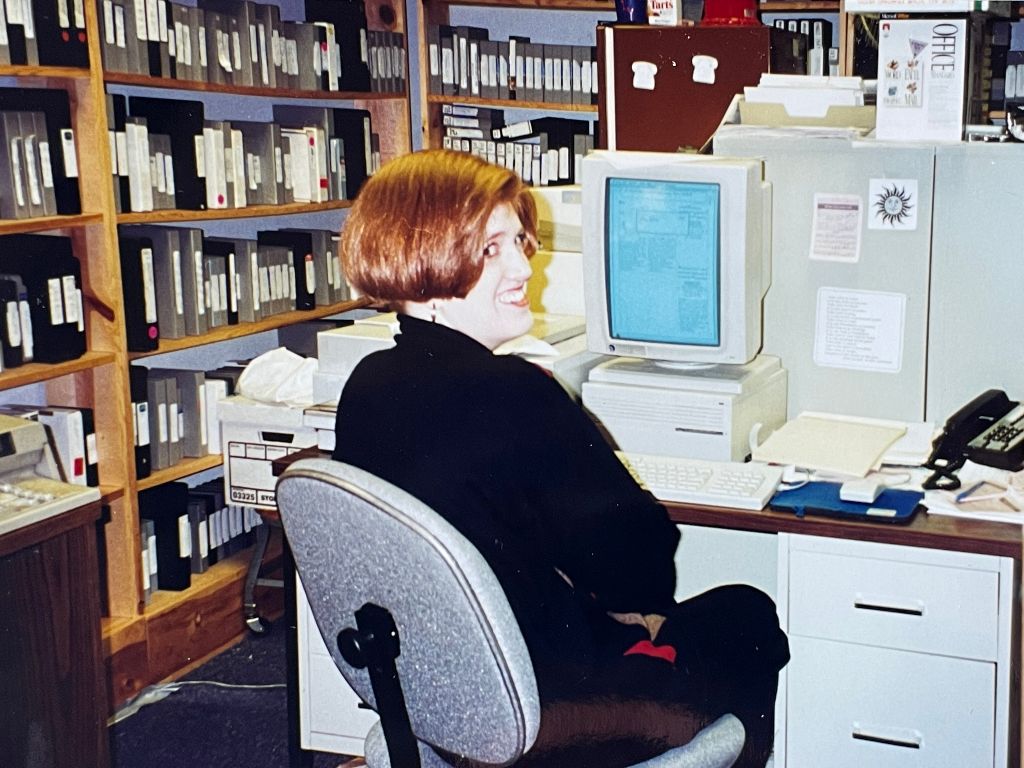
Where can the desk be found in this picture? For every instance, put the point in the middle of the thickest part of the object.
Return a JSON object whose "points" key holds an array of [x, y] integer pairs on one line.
{"points": [[905, 638], [939, 547], [54, 708]]}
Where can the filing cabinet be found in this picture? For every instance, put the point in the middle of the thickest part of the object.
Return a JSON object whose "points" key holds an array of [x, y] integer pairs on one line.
{"points": [[900, 655], [332, 718]]}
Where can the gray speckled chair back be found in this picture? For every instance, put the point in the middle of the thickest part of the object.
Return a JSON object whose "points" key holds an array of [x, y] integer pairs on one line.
{"points": [[467, 676]]}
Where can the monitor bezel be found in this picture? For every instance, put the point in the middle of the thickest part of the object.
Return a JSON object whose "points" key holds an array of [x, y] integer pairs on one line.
{"points": [[744, 251]]}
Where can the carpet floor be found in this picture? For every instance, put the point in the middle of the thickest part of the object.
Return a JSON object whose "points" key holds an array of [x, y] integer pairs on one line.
{"points": [[229, 712]]}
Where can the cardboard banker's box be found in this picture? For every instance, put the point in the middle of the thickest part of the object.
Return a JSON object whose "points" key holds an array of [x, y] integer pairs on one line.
{"points": [[921, 76], [253, 435]]}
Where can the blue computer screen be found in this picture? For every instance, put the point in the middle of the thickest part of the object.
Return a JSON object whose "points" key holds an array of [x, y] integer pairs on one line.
{"points": [[663, 261]]}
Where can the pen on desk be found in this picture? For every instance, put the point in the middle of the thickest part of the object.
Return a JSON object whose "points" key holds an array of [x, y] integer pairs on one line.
{"points": [[966, 493]]}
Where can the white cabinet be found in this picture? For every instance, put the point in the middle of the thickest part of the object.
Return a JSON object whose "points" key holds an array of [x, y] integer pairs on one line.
{"points": [[900, 655], [332, 719]]}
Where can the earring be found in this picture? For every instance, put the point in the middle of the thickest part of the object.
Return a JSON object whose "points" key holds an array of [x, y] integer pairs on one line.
{"points": [[433, 311]]}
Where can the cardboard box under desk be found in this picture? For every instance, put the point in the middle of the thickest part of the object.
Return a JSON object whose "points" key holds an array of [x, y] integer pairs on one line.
{"points": [[253, 436]]}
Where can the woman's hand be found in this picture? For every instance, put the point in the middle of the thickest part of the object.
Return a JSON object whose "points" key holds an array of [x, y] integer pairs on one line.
{"points": [[651, 621]]}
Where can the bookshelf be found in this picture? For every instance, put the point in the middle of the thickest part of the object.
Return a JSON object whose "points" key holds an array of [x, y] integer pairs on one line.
{"points": [[502, 18], [144, 643]]}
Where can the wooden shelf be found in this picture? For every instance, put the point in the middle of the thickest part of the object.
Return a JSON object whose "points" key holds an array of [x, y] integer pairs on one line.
{"points": [[555, 5], [792, 6], [126, 78], [180, 470], [110, 493], [248, 212], [63, 73], [47, 223], [247, 329], [34, 373], [511, 104], [179, 630]]}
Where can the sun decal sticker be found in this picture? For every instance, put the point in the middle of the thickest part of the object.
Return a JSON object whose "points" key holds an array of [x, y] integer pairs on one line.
{"points": [[893, 204]]}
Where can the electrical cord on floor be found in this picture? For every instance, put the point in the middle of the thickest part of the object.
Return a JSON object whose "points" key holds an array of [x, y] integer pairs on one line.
{"points": [[154, 693]]}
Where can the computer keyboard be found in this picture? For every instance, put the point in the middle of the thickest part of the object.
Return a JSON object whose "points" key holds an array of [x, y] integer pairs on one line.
{"points": [[700, 481]]}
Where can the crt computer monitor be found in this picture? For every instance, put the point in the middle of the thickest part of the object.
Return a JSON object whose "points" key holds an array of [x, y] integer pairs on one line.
{"points": [[676, 256]]}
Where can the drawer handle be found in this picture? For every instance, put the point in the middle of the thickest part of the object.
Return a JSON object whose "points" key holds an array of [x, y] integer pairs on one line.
{"points": [[872, 605], [912, 741]]}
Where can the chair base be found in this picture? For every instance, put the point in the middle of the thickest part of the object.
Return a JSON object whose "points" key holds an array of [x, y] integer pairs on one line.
{"points": [[252, 576]]}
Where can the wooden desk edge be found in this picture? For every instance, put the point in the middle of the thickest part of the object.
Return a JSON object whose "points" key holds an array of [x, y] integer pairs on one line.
{"points": [[934, 531], [49, 528]]}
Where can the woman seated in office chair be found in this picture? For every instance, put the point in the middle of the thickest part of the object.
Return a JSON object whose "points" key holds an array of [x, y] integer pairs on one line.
{"points": [[497, 447]]}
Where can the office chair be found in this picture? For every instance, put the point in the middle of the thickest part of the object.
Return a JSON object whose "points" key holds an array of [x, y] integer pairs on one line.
{"points": [[435, 648]]}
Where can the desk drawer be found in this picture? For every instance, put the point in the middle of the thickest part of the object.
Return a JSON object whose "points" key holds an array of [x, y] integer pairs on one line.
{"points": [[911, 605], [851, 706]]}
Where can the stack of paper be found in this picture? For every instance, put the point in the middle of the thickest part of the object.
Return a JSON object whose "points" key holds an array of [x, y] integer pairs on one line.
{"points": [[806, 95], [831, 443], [985, 493]]}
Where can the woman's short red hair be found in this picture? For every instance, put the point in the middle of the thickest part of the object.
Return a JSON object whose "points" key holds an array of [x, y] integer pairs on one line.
{"points": [[416, 229]]}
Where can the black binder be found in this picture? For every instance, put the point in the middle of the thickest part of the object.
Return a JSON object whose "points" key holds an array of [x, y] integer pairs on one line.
{"points": [[224, 248], [137, 283], [164, 504], [10, 321], [63, 162], [61, 36], [53, 283], [354, 127], [182, 121], [117, 112], [349, 19], [138, 377], [92, 466], [300, 243]]}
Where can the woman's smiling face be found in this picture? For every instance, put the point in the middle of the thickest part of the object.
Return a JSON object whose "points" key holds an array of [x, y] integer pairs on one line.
{"points": [[497, 308]]}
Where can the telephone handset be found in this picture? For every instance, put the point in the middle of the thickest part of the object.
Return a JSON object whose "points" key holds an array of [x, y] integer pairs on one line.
{"points": [[988, 430]]}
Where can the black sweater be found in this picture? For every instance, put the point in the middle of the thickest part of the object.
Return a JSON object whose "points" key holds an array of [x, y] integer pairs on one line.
{"points": [[497, 447]]}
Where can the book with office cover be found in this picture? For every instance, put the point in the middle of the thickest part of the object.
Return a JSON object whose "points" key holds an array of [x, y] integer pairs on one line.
{"points": [[922, 70]]}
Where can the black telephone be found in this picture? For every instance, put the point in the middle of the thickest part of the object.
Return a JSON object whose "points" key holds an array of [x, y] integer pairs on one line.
{"points": [[988, 430]]}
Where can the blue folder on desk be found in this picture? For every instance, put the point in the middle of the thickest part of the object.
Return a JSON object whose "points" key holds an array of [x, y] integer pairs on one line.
{"points": [[821, 498]]}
